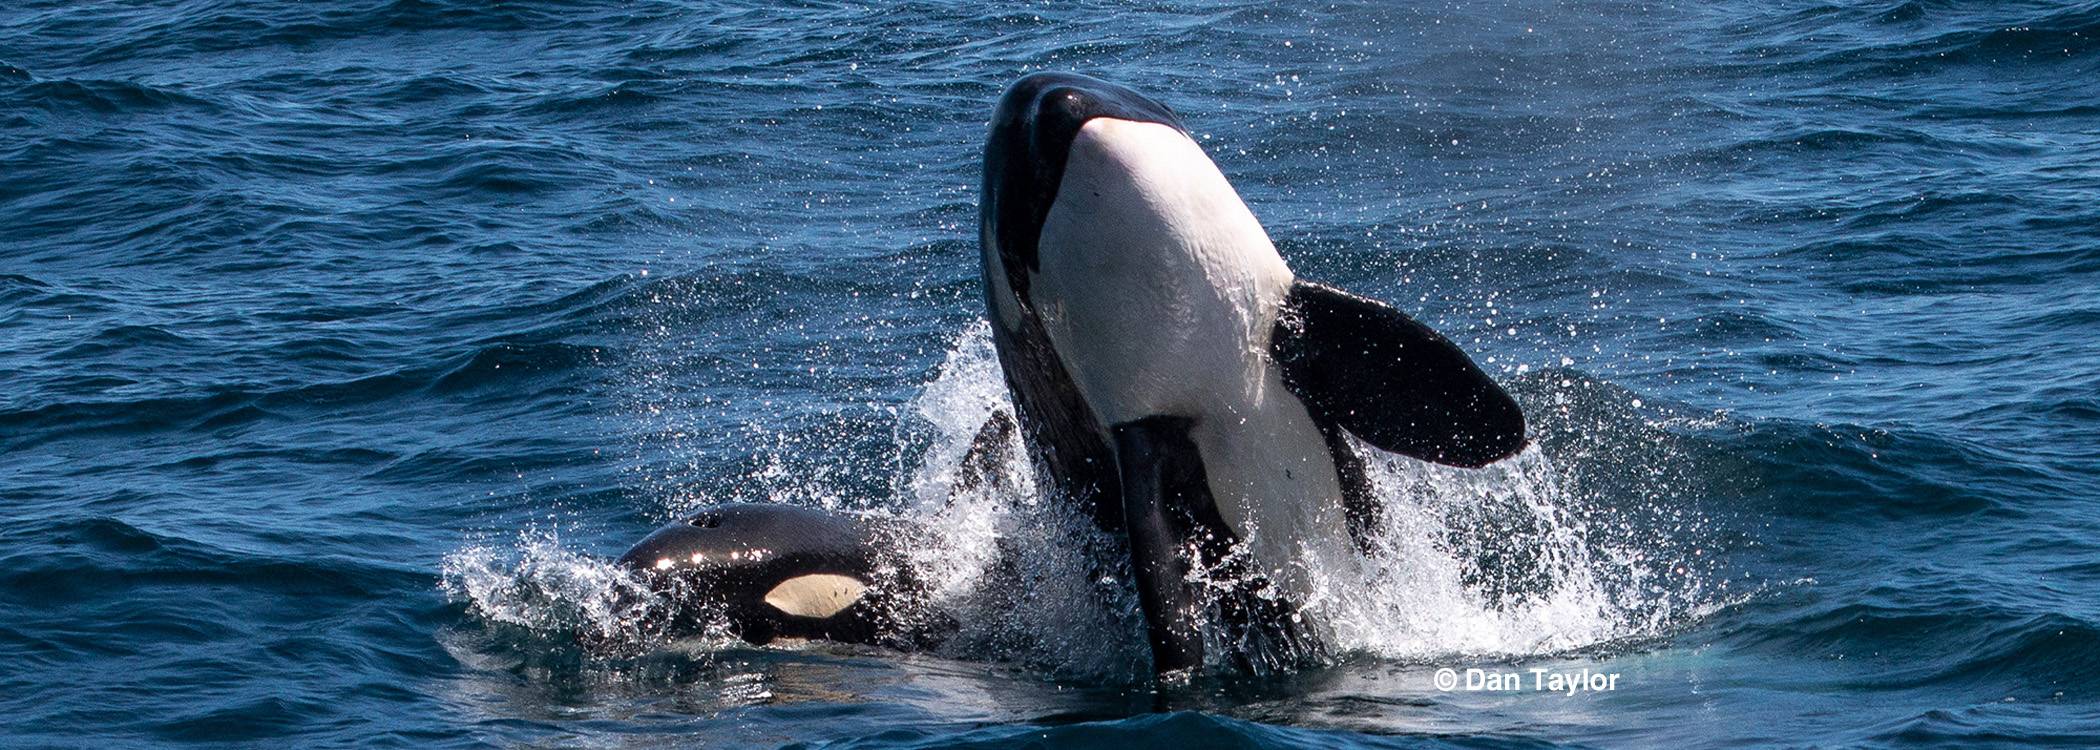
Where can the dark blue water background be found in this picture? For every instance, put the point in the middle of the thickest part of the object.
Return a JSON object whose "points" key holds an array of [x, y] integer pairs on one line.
{"points": [[336, 340]]}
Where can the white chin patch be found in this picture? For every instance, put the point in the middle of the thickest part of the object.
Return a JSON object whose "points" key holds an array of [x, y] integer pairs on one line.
{"points": [[1156, 283], [817, 595]]}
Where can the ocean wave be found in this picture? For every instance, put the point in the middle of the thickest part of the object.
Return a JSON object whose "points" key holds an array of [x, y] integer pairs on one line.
{"points": [[219, 27], [1837, 471], [1989, 38], [216, 407], [123, 339], [105, 97], [1987, 652], [17, 289], [2011, 722], [499, 165], [83, 559], [1904, 39]]}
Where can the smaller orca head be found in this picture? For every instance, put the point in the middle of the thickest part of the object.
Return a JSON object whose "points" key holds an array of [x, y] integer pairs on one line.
{"points": [[1024, 158], [765, 571]]}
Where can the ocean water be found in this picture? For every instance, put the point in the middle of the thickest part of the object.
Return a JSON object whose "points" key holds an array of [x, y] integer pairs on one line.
{"points": [[341, 344]]}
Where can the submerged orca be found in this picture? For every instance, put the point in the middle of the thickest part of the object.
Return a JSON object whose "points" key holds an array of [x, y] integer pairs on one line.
{"points": [[1174, 381]]}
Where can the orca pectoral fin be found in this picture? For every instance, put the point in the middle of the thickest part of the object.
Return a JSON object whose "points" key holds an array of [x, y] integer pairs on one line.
{"points": [[1160, 471], [1390, 380]]}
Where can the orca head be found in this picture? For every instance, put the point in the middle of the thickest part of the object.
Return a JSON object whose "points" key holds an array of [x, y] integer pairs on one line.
{"points": [[1032, 132], [765, 571], [1109, 231]]}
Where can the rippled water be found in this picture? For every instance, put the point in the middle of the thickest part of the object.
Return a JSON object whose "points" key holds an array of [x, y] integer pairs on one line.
{"points": [[341, 344]]}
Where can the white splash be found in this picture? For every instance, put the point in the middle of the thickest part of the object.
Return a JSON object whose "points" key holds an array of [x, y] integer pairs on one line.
{"points": [[1506, 561], [1499, 561], [1017, 574], [1428, 594], [539, 585]]}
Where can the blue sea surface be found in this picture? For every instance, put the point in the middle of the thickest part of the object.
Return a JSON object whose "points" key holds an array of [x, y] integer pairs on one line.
{"points": [[341, 343]]}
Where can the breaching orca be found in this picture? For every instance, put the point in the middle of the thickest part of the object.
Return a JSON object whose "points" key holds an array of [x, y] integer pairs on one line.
{"points": [[1182, 386], [1172, 379]]}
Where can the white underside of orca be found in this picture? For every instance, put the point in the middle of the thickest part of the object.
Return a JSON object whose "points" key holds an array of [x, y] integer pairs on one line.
{"points": [[1161, 289]]}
